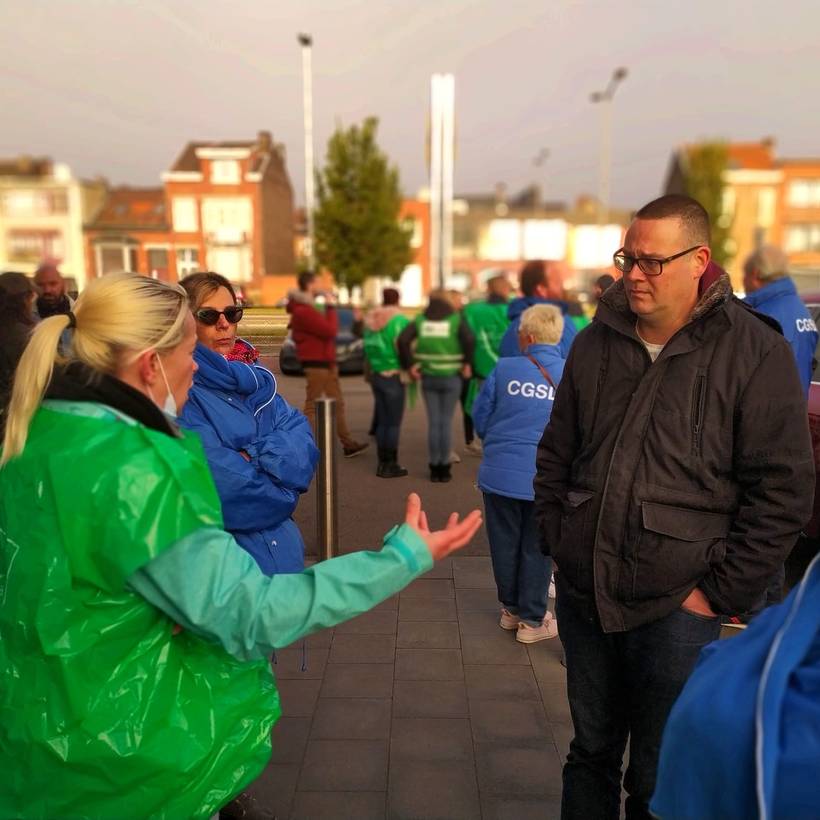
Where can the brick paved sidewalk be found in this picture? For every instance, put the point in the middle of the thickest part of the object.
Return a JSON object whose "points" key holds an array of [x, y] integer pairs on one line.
{"points": [[422, 708]]}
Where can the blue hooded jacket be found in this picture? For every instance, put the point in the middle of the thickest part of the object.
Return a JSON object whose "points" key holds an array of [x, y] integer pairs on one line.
{"points": [[509, 342], [743, 739], [510, 414], [779, 300], [234, 407]]}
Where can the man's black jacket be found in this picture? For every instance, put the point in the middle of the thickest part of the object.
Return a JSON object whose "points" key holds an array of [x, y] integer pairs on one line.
{"points": [[693, 471]]}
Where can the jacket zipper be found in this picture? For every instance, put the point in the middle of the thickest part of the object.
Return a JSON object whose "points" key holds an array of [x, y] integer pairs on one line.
{"points": [[698, 404], [602, 371]]}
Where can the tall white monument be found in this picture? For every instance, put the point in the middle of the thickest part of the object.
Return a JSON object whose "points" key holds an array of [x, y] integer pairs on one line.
{"points": [[442, 155]]}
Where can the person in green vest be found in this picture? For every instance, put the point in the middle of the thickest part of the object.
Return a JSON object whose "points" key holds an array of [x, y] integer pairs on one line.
{"points": [[382, 327], [437, 348], [135, 633], [488, 320]]}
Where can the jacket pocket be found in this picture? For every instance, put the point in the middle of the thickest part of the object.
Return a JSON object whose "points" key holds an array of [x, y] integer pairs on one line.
{"points": [[698, 410], [677, 546], [573, 552]]}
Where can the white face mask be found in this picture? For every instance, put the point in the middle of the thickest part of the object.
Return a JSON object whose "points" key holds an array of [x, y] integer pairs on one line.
{"points": [[169, 406]]}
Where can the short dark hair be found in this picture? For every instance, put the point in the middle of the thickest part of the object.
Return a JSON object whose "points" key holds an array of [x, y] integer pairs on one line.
{"points": [[305, 278], [199, 286], [533, 274], [605, 281], [690, 212], [15, 291], [390, 296]]}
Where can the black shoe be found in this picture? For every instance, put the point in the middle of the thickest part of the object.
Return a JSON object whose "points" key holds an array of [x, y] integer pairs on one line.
{"points": [[391, 470], [355, 449], [245, 807], [435, 475], [444, 473]]}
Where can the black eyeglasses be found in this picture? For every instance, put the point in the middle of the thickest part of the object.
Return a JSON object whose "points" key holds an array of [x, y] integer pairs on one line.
{"points": [[647, 264], [210, 316]]}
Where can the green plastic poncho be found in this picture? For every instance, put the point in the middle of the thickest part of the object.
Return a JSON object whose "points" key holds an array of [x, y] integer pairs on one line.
{"points": [[113, 713]]}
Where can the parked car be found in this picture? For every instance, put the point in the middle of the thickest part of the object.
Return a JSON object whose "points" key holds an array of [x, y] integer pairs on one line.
{"points": [[349, 349]]}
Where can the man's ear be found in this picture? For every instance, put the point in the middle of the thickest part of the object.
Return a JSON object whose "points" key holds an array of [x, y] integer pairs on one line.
{"points": [[701, 257], [148, 367]]}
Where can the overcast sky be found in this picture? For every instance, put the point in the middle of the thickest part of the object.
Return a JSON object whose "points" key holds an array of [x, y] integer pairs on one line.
{"points": [[116, 87]]}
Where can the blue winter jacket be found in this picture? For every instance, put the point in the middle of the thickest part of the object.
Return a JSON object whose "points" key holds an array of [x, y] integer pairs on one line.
{"points": [[779, 300], [509, 342], [510, 415], [743, 739], [234, 407]]}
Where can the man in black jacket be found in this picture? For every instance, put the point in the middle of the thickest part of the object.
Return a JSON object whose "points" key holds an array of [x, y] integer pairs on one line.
{"points": [[672, 480]]}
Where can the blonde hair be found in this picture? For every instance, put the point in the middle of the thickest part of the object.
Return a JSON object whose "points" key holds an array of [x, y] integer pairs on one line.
{"points": [[117, 318], [544, 323]]}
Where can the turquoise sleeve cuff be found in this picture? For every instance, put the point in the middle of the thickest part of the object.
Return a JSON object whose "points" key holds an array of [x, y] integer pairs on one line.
{"points": [[411, 547]]}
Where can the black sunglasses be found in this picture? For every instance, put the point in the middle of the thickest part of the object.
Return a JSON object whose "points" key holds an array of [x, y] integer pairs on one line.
{"points": [[648, 264], [210, 316]]}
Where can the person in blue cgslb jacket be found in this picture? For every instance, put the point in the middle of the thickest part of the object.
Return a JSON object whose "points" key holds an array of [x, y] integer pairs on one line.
{"points": [[510, 415], [536, 290], [260, 449], [770, 290]]}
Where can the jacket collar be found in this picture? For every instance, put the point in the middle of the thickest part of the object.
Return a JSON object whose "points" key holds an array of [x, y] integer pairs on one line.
{"points": [[780, 287], [614, 310], [78, 382], [217, 373]]}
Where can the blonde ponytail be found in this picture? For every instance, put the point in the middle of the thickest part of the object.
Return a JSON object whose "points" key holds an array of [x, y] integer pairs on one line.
{"points": [[117, 317]]}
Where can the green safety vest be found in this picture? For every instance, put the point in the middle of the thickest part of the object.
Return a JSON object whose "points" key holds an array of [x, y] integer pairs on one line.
{"points": [[380, 345], [489, 322], [105, 711], [438, 349]]}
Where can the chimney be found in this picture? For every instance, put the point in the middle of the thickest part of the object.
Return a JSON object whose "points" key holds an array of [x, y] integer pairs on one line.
{"points": [[264, 142]]}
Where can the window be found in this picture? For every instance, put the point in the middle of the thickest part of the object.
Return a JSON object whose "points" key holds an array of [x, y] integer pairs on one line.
{"points": [[34, 203], [110, 258], [804, 193], [766, 204], [230, 216], [34, 246], [185, 214], [187, 261], [225, 172], [115, 258], [803, 238], [414, 225], [158, 263]]}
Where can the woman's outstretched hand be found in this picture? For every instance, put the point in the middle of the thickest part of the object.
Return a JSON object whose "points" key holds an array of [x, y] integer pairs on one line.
{"points": [[441, 542]]}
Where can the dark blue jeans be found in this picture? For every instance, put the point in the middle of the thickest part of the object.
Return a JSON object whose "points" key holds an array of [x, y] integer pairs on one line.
{"points": [[440, 398], [522, 571], [388, 392], [622, 685]]}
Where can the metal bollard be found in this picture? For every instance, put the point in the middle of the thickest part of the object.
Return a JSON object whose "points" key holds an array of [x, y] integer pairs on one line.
{"points": [[327, 503]]}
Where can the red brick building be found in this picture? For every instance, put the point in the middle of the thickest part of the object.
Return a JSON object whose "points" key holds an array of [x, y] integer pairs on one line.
{"points": [[225, 206]]}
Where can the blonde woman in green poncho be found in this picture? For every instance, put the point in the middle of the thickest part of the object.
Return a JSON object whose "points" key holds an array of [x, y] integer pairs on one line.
{"points": [[134, 635]]}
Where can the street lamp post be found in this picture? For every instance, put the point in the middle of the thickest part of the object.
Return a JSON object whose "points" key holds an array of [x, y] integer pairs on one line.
{"points": [[605, 98], [538, 161], [306, 42]]}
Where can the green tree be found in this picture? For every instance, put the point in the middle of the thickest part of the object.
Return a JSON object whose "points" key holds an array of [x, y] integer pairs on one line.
{"points": [[703, 180], [357, 227]]}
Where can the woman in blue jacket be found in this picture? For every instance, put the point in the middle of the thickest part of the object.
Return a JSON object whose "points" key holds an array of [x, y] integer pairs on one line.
{"points": [[260, 449], [510, 414]]}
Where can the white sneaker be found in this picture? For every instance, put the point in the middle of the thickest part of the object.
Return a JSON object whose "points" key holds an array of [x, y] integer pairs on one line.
{"points": [[474, 448], [508, 620], [455, 458], [551, 591], [533, 634]]}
